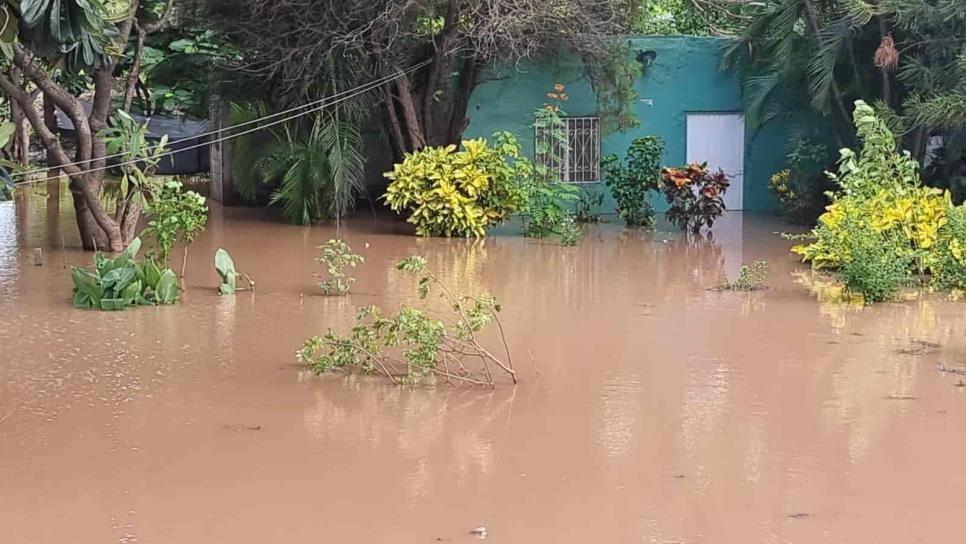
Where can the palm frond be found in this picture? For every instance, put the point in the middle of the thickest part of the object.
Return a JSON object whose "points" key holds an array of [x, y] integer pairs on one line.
{"points": [[345, 162], [941, 110], [298, 192], [832, 39]]}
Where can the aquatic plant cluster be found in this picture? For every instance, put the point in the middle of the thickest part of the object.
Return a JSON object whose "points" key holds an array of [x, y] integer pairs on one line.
{"points": [[884, 230], [750, 278], [123, 282]]}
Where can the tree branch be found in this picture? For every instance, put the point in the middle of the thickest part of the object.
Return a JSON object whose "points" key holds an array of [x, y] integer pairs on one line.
{"points": [[63, 99], [47, 137]]}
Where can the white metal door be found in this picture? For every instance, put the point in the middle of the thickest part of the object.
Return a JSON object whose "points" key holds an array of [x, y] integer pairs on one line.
{"points": [[719, 140]]}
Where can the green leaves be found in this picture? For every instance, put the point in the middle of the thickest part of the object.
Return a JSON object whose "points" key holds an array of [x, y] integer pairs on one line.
{"points": [[451, 192], [410, 345], [176, 215], [121, 282], [336, 257], [72, 28], [631, 181], [167, 288], [7, 130], [225, 267], [414, 264]]}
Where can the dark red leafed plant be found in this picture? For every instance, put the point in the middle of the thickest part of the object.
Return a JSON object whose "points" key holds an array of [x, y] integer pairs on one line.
{"points": [[695, 195]]}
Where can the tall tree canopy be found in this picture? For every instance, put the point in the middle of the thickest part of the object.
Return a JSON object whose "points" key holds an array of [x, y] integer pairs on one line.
{"points": [[290, 44], [906, 55]]}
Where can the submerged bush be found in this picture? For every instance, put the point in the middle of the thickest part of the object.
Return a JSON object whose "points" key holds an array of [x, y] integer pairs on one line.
{"points": [[750, 278], [877, 268], [884, 225], [569, 233], [694, 195], [121, 282], [588, 206], [413, 344], [176, 216], [336, 257], [632, 180], [450, 192]]}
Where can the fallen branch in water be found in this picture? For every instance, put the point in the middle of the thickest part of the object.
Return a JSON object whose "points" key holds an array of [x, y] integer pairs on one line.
{"points": [[410, 346]]}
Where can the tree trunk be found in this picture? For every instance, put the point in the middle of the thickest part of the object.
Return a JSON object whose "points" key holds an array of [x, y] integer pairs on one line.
{"points": [[20, 145], [130, 218], [396, 138], [91, 235], [417, 138], [468, 80], [439, 76]]}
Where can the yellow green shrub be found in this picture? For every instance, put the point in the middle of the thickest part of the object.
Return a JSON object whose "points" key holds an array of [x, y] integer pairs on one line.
{"points": [[886, 218], [459, 192], [949, 268]]}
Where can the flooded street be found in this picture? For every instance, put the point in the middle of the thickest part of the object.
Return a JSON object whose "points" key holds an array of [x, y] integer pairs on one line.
{"points": [[655, 410]]}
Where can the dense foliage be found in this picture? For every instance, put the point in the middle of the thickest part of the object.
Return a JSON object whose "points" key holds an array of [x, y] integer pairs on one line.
{"points": [[884, 225], [632, 180], [903, 56], [286, 47], [588, 206], [949, 267], [122, 282], [694, 195], [801, 188], [459, 192], [315, 170], [7, 167]]}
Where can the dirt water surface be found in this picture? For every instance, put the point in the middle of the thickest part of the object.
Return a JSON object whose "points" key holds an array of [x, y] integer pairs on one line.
{"points": [[656, 410]]}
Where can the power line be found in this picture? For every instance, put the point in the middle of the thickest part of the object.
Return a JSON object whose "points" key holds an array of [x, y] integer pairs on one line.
{"points": [[315, 106]]}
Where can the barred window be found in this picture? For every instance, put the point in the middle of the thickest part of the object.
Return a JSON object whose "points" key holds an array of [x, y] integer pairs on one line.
{"points": [[580, 159]]}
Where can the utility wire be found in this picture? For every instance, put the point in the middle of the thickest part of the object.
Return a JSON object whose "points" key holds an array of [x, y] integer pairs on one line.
{"points": [[315, 106]]}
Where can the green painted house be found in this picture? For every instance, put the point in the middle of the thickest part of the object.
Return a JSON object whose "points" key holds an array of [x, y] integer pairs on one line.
{"points": [[683, 97]]}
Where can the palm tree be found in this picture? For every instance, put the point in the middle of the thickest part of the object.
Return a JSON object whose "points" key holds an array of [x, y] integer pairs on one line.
{"points": [[318, 172], [317, 168], [906, 56]]}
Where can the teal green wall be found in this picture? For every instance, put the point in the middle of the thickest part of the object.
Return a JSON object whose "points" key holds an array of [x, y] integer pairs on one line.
{"points": [[684, 78]]}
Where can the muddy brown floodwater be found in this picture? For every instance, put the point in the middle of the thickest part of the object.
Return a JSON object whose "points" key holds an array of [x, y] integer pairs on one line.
{"points": [[657, 411]]}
